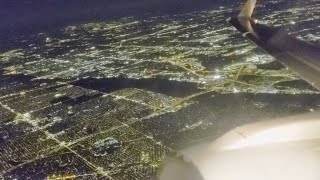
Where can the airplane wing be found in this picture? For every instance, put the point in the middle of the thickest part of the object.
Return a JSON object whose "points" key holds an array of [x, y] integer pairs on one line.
{"points": [[281, 149], [298, 55]]}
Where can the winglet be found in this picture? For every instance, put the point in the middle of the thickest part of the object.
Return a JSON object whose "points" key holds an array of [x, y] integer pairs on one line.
{"points": [[247, 9], [244, 17]]}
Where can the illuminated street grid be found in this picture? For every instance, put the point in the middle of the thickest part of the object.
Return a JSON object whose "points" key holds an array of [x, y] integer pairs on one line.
{"points": [[111, 100]]}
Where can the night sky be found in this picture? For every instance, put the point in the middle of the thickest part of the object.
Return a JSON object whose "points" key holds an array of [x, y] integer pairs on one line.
{"points": [[49, 13]]}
